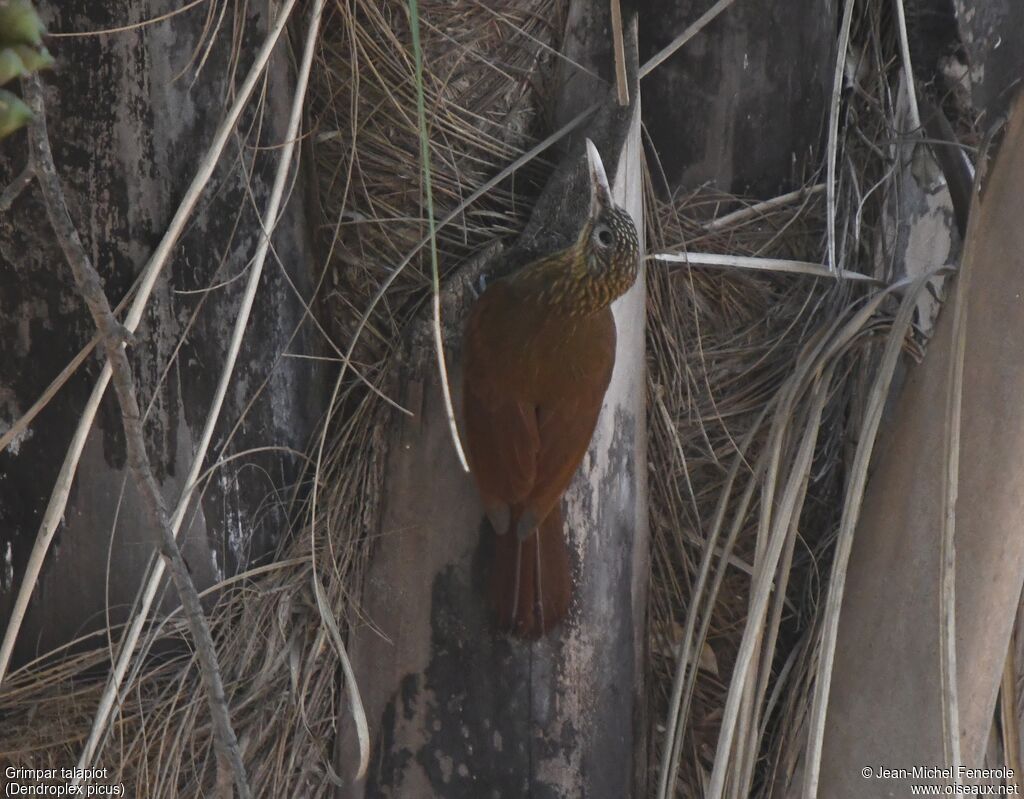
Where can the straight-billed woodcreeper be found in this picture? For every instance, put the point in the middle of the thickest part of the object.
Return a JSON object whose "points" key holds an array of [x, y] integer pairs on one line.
{"points": [[538, 353]]}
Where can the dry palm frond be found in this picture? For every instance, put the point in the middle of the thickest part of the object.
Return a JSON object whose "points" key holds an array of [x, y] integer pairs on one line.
{"points": [[751, 542], [735, 358], [759, 395]]}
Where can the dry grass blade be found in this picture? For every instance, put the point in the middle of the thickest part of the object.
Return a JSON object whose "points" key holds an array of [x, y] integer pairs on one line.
{"points": [[763, 264], [15, 188], [765, 569], [832, 146], [762, 208], [129, 27], [950, 488], [435, 270], [355, 700], [702, 22], [621, 85], [25, 420], [908, 68], [844, 542]]}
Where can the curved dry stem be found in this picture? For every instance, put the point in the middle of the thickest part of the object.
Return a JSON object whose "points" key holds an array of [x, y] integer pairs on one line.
{"points": [[844, 543]]}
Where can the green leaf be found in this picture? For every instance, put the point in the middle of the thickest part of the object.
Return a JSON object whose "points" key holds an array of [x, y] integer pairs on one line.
{"points": [[19, 23], [11, 65], [14, 113], [34, 58]]}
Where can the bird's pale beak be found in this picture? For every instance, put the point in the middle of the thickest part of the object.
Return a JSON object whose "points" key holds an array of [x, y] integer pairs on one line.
{"points": [[600, 191]]}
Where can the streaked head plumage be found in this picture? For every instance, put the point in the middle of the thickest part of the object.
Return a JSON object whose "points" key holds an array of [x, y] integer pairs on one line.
{"points": [[601, 264]]}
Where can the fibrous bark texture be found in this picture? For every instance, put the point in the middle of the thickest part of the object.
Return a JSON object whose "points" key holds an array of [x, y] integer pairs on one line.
{"points": [[130, 114], [772, 62]]}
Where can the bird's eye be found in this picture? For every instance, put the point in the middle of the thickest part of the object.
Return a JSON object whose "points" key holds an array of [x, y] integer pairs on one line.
{"points": [[603, 235]]}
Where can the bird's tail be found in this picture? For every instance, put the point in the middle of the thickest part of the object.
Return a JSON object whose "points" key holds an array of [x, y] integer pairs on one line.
{"points": [[530, 580]]}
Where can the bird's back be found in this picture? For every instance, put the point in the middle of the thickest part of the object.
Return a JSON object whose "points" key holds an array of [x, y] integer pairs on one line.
{"points": [[516, 349], [533, 385]]}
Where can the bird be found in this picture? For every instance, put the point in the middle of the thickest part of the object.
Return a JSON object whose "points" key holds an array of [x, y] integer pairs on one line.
{"points": [[537, 356]]}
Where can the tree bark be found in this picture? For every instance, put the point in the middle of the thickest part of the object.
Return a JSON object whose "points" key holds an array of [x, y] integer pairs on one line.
{"points": [[993, 36], [130, 114], [742, 106], [456, 708]]}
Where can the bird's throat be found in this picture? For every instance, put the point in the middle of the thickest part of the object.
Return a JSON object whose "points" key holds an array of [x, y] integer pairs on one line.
{"points": [[571, 283]]}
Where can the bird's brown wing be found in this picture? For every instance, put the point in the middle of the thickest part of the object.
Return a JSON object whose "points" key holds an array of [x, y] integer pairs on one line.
{"points": [[532, 391], [566, 421], [530, 579], [503, 443], [565, 431], [501, 424]]}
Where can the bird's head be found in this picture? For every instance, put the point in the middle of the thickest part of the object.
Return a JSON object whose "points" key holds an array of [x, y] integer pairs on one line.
{"points": [[600, 265], [608, 240]]}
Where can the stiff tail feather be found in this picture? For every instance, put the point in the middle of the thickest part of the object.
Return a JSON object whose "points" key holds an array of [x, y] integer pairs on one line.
{"points": [[530, 581]]}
